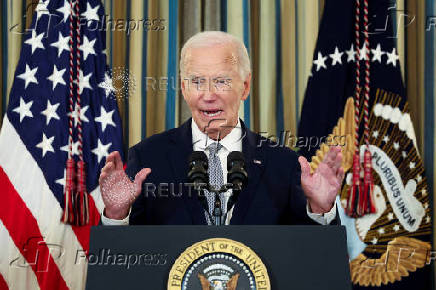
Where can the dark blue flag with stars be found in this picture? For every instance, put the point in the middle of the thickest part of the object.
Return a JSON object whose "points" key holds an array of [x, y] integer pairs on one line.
{"points": [[39, 99], [389, 249]]}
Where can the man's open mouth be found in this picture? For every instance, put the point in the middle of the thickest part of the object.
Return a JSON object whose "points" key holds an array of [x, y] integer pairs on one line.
{"points": [[211, 113]]}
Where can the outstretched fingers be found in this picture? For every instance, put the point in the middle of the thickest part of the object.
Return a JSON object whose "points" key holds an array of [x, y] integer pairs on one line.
{"points": [[340, 174], [113, 163], [330, 157], [115, 158], [333, 158], [118, 162], [305, 167], [106, 170], [139, 179]]}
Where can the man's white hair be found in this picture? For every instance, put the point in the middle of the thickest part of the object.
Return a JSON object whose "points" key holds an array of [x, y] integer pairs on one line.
{"points": [[212, 38]]}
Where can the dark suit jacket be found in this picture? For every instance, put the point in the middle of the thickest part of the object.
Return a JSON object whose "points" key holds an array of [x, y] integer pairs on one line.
{"points": [[272, 196]]}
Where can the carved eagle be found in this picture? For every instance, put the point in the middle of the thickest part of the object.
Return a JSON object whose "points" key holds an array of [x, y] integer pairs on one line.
{"points": [[230, 285]]}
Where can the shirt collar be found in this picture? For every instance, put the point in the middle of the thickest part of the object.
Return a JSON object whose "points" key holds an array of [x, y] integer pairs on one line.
{"points": [[232, 142]]}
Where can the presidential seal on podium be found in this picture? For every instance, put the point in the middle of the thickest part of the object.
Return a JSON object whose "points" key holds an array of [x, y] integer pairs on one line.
{"points": [[218, 264]]}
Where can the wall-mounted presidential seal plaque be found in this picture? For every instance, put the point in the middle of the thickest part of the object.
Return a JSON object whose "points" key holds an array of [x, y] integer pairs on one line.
{"points": [[218, 264]]}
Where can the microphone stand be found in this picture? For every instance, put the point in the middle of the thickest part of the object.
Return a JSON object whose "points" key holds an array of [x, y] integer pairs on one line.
{"points": [[217, 211], [217, 218]]}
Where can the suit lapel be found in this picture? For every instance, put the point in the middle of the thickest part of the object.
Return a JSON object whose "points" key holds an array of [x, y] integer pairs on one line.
{"points": [[254, 163], [178, 154]]}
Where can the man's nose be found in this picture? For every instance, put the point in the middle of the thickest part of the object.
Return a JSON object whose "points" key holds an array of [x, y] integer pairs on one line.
{"points": [[209, 92]]}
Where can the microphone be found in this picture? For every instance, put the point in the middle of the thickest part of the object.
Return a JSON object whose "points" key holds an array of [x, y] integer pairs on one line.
{"points": [[197, 174], [198, 164], [236, 175]]}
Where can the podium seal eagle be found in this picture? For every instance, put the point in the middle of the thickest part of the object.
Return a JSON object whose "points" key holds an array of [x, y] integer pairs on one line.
{"points": [[218, 264]]}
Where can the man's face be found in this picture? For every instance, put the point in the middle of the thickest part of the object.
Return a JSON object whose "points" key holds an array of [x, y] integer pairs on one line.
{"points": [[213, 88]]}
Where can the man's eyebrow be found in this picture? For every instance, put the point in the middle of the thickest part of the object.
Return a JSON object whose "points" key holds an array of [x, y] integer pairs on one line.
{"points": [[195, 76], [216, 77]]}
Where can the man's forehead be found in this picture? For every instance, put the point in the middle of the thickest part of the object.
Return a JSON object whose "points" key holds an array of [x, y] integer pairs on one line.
{"points": [[202, 58], [217, 73]]}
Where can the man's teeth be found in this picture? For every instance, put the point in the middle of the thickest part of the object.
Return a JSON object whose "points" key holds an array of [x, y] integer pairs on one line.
{"points": [[212, 113]]}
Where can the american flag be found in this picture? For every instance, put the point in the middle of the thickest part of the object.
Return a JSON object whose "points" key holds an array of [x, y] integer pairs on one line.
{"points": [[37, 250]]}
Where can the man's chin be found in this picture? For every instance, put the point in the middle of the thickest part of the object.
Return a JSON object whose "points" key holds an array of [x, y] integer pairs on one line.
{"points": [[215, 128], [215, 124], [213, 133]]}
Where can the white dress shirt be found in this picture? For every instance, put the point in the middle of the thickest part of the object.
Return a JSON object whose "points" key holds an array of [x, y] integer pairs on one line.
{"points": [[231, 142]]}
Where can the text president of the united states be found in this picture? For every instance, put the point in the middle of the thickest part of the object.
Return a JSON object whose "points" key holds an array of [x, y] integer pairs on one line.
{"points": [[215, 79]]}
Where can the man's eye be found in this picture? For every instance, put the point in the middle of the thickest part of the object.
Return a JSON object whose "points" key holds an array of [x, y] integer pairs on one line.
{"points": [[221, 81], [198, 80]]}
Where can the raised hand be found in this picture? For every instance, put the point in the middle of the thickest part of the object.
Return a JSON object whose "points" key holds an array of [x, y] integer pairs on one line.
{"points": [[117, 190], [323, 185]]}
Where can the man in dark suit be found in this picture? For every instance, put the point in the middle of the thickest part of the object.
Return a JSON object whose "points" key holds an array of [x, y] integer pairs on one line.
{"points": [[215, 75]]}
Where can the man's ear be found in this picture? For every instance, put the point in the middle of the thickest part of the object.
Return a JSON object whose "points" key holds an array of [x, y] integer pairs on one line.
{"points": [[247, 83], [182, 85]]}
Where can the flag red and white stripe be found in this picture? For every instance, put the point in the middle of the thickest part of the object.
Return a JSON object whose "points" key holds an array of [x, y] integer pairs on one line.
{"points": [[38, 251]]}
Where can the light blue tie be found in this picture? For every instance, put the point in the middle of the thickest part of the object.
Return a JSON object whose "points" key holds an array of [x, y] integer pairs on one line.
{"points": [[216, 179]]}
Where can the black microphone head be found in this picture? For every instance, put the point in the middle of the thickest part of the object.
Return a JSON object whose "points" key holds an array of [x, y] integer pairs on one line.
{"points": [[198, 164], [198, 156], [235, 156], [236, 173]]}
